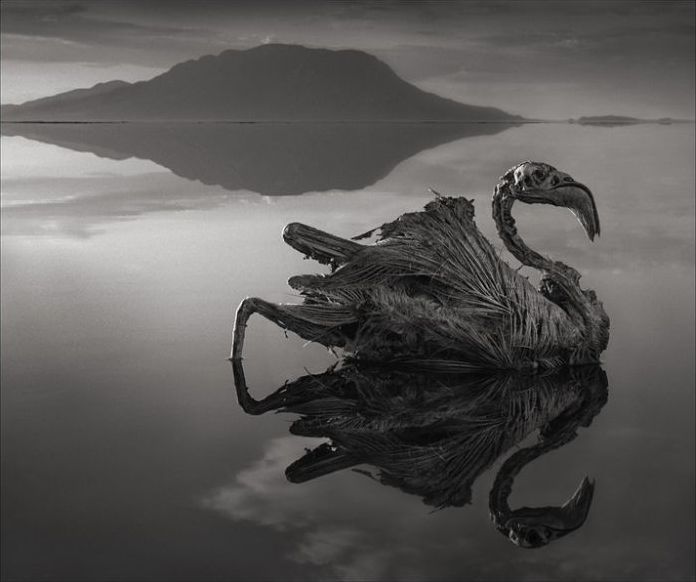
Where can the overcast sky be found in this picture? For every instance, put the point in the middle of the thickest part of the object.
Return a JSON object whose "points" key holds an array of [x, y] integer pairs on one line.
{"points": [[539, 59]]}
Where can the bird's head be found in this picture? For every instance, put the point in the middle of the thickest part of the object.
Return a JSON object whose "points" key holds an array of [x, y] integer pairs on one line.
{"points": [[540, 183], [534, 527]]}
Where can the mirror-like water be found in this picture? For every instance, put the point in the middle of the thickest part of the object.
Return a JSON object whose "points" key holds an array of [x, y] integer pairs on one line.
{"points": [[125, 454]]}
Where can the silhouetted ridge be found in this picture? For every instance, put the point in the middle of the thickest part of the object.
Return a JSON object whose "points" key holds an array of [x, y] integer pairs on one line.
{"points": [[270, 82]]}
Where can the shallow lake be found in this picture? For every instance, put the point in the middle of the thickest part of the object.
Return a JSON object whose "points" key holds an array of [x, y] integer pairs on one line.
{"points": [[125, 252]]}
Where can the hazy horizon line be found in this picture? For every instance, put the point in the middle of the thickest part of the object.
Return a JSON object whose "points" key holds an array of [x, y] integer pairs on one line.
{"points": [[523, 121]]}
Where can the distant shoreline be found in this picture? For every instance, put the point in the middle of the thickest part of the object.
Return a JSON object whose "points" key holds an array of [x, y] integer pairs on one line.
{"points": [[349, 122]]}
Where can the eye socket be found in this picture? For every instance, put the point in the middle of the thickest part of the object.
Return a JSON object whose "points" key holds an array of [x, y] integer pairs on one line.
{"points": [[539, 175], [533, 537]]}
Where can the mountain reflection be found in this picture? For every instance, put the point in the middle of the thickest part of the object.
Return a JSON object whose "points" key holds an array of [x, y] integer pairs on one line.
{"points": [[270, 159], [432, 433]]}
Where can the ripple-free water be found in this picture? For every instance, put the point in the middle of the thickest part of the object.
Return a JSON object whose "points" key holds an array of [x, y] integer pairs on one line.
{"points": [[125, 455]]}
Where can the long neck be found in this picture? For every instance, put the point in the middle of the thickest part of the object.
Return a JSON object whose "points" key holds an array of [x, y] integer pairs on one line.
{"points": [[502, 488], [507, 230], [568, 295], [505, 223], [591, 385]]}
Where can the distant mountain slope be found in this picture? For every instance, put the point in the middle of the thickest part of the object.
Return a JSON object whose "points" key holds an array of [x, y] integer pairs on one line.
{"points": [[271, 82]]}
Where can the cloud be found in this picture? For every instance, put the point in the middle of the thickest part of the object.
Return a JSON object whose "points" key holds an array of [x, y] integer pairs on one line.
{"points": [[72, 22], [70, 32], [475, 47]]}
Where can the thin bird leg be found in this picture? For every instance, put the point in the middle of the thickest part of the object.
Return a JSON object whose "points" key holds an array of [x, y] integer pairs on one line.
{"points": [[246, 400], [321, 246], [248, 403], [306, 389], [320, 323]]}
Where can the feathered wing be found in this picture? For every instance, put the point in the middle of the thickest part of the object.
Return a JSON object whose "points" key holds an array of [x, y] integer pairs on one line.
{"points": [[428, 434], [434, 286]]}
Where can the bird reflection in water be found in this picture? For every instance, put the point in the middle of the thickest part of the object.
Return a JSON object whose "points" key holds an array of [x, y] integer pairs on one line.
{"points": [[432, 433]]}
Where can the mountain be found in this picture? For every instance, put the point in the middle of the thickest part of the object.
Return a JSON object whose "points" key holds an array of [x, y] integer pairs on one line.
{"points": [[273, 82]]}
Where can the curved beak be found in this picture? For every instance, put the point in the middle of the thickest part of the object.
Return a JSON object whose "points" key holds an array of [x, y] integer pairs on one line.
{"points": [[318, 462], [572, 195], [579, 200], [533, 527], [574, 511]]}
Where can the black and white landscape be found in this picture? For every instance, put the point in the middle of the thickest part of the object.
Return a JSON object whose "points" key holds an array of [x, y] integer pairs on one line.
{"points": [[152, 154]]}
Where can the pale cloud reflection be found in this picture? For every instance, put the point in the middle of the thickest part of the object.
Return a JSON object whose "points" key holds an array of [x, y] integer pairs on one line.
{"points": [[317, 516], [99, 203]]}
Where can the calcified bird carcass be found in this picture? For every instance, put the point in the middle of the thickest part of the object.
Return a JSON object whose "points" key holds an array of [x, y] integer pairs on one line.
{"points": [[433, 288]]}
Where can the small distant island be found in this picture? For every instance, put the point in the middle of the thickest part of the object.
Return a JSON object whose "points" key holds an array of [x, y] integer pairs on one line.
{"points": [[610, 120]]}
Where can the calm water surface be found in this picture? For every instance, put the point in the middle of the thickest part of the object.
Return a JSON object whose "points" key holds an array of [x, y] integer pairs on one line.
{"points": [[125, 455]]}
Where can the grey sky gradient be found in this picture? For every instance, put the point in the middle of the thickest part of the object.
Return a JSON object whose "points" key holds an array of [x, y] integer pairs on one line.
{"points": [[550, 59]]}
